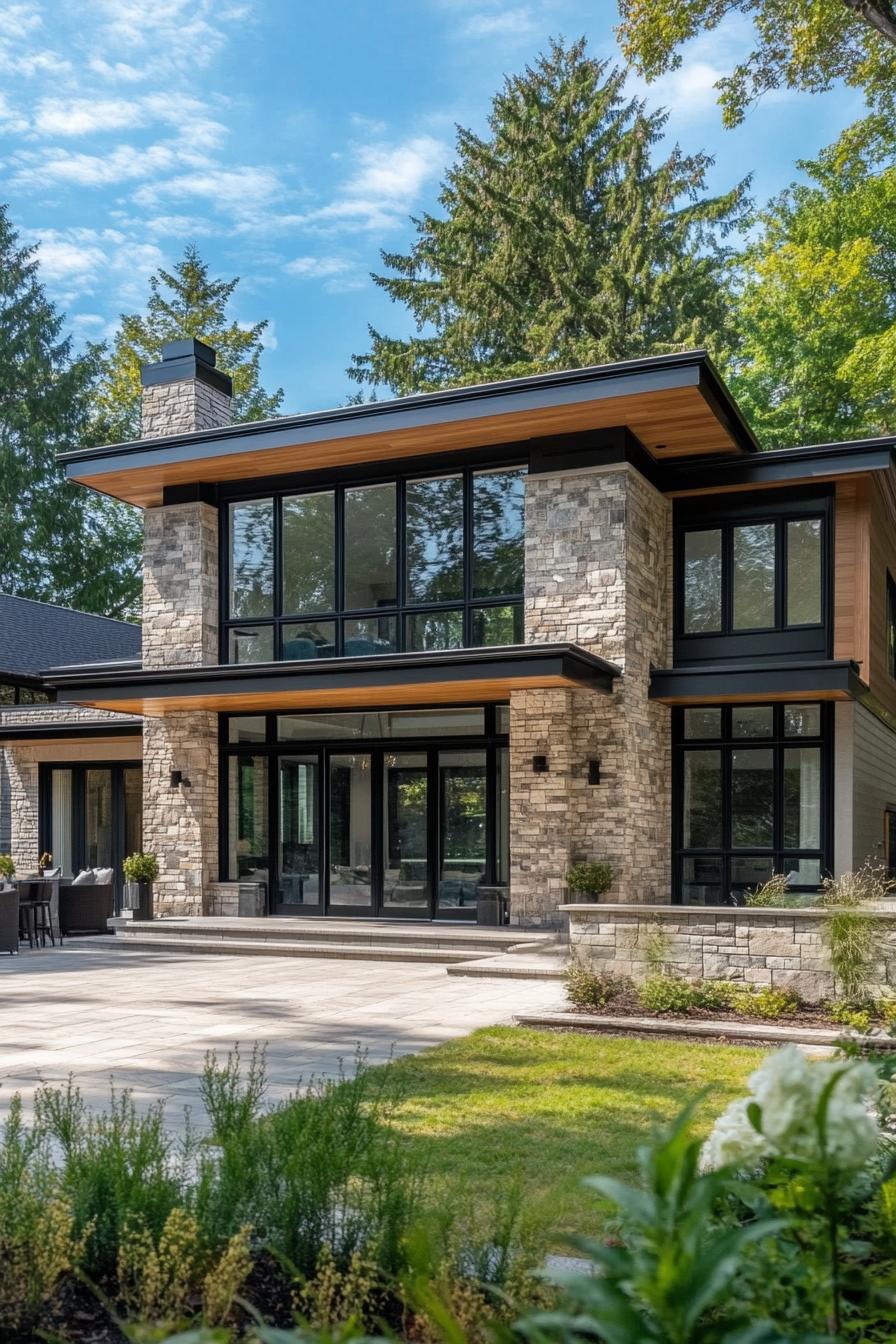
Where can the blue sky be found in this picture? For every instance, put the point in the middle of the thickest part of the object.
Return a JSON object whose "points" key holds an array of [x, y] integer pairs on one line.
{"points": [[291, 141]]}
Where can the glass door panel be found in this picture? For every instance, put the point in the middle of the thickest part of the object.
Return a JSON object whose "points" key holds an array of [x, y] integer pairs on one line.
{"points": [[98, 819], [463, 791], [62, 837], [405, 848], [299, 802], [132, 793], [248, 819], [350, 849]]}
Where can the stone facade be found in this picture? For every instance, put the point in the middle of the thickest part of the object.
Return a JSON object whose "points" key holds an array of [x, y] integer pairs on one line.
{"points": [[180, 628], [779, 948], [182, 408], [599, 574], [180, 825], [180, 585]]}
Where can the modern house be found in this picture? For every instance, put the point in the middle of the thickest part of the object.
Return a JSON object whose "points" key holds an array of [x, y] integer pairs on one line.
{"points": [[395, 653]]}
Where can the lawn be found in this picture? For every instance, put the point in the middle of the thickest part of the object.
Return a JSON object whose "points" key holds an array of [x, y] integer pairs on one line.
{"points": [[548, 1108]]}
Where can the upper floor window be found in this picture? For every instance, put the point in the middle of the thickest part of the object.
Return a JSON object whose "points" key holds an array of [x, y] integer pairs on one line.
{"points": [[753, 576], [891, 625], [752, 581], [423, 562]]}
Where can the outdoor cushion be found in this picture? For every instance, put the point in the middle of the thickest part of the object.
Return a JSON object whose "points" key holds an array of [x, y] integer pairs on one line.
{"points": [[86, 878], [52, 872], [103, 876]]}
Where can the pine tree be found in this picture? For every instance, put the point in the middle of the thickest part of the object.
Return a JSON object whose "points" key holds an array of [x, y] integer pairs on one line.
{"points": [[561, 241], [58, 542], [185, 302]]}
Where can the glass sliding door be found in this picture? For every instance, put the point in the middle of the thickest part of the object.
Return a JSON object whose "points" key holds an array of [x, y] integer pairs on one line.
{"points": [[91, 816], [98, 819], [406, 884], [300, 838], [350, 849], [463, 794]]}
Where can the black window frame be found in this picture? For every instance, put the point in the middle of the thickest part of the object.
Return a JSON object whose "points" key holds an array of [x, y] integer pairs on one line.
{"points": [[79, 769], [727, 743], [891, 625], [402, 610], [491, 741], [779, 640], [24, 693]]}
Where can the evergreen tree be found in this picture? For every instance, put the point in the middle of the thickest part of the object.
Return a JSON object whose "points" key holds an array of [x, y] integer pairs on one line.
{"points": [[185, 302], [561, 241], [817, 311], [58, 542]]}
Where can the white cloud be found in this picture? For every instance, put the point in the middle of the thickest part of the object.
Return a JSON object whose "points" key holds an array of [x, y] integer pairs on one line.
{"points": [[246, 188], [317, 268], [83, 116], [11, 120], [387, 181], [118, 71], [516, 23], [84, 261], [17, 20]]}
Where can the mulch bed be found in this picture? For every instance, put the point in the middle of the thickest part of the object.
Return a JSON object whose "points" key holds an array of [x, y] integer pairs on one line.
{"points": [[627, 1004]]}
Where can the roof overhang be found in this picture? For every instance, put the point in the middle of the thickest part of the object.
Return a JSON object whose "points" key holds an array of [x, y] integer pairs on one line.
{"points": [[457, 676], [830, 679], [676, 405], [787, 466]]}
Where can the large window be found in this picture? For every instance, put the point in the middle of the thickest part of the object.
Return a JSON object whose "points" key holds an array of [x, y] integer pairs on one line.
{"points": [[752, 583], [418, 563], [751, 798]]}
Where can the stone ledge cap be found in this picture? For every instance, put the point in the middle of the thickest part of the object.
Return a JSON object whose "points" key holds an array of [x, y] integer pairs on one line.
{"points": [[600, 909]]}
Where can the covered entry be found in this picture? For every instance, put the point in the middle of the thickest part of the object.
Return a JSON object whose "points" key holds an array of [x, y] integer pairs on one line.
{"points": [[399, 812]]}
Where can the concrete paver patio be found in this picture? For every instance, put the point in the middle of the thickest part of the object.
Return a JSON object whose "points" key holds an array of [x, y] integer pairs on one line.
{"points": [[146, 1019]]}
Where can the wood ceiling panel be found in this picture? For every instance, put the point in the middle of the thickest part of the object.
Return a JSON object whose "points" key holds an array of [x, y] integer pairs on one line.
{"points": [[678, 422]]}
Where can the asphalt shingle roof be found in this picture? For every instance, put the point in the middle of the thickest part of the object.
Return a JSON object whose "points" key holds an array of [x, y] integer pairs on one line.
{"points": [[37, 635]]}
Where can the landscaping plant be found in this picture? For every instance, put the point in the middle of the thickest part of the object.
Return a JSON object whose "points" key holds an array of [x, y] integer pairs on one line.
{"points": [[140, 868], [7, 867], [773, 892], [590, 879], [589, 989]]}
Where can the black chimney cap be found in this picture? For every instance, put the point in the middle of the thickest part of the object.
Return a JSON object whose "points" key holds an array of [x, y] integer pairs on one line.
{"points": [[185, 359]]}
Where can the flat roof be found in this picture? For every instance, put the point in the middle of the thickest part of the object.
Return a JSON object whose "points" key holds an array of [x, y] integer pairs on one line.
{"points": [[743, 683], [454, 676], [677, 405]]}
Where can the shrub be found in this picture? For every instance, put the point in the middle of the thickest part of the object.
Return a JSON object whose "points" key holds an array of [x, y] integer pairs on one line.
{"points": [[773, 892], [849, 938], [764, 1002], [38, 1241], [162, 1280], [667, 994], [869, 884], [7, 867], [886, 1009], [590, 879], [848, 1015], [140, 868], [712, 994], [586, 988]]}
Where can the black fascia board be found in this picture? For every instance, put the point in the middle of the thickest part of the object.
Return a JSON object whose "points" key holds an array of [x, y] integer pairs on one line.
{"points": [[366, 673], [691, 368], [830, 676], [36, 732], [781, 465], [590, 448]]}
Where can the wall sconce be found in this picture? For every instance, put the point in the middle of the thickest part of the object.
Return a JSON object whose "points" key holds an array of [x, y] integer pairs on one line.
{"points": [[594, 772], [178, 779], [540, 765]]}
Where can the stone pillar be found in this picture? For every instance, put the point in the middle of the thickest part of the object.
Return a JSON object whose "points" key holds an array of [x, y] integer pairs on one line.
{"points": [[181, 394], [21, 781], [598, 574]]}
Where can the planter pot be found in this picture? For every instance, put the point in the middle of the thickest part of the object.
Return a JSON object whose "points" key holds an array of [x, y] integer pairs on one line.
{"points": [[137, 898]]}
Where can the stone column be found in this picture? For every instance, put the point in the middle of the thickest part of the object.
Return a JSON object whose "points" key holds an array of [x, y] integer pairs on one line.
{"points": [[22, 783], [181, 394], [598, 574]]}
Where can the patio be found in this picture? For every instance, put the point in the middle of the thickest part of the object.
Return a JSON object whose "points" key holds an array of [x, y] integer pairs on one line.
{"points": [[146, 1019]]}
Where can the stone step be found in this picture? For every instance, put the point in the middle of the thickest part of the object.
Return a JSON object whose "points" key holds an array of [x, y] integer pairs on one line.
{"points": [[470, 942], [253, 947], [511, 968]]}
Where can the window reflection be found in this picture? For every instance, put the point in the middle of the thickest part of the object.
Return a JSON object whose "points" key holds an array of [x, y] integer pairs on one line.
{"points": [[435, 539], [309, 553], [804, 571], [754, 576], [370, 523], [252, 559], [702, 581], [498, 524]]}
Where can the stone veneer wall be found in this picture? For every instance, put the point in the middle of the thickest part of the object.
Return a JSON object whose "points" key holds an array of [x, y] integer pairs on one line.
{"points": [[599, 574], [180, 628], [182, 408], [780, 948]]}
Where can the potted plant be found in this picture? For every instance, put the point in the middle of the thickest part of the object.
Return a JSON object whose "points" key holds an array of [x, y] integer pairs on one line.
{"points": [[140, 871], [590, 879], [7, 868]]}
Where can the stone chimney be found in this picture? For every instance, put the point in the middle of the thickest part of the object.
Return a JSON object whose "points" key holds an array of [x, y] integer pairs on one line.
{"points": [[184, 391]]}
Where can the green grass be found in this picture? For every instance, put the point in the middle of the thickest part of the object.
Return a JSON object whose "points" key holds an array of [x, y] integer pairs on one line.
{"points": [[545, 1109]]}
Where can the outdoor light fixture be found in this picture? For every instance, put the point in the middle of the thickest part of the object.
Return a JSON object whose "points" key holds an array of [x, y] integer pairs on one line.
{"points": [[594, 772], [540, 765], [178, 778]]}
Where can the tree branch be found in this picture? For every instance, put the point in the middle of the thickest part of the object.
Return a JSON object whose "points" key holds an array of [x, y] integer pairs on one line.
{"points": [[877, 14]]}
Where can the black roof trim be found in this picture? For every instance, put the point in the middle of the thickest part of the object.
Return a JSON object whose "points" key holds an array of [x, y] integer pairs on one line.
{"points": [[754, 680], [372, 670], [781, 464], [37, 732], [657, 372]]}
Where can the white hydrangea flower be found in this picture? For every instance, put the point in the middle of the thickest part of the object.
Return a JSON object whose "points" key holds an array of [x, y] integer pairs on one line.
{"points": [[787, 1089]]}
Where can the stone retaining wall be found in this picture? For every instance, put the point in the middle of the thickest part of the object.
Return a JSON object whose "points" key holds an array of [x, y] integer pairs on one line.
{"points": [[777, 947]]}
